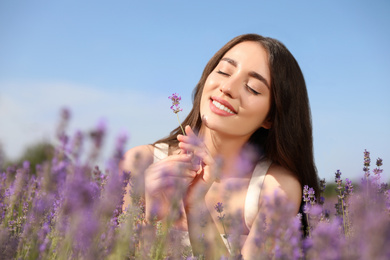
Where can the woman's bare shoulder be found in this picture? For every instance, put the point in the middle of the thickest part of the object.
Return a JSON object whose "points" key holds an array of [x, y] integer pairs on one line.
{"points": [[136, 157], [285, 182]]}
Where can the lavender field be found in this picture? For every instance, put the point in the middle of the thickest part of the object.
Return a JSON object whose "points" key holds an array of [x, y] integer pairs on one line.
{"points": [[68, 208]]}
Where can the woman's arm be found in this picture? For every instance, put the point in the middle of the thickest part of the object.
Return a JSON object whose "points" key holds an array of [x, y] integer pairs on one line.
{"points": [[162, 184], [136, 161], [204, 236], [278, 182]]}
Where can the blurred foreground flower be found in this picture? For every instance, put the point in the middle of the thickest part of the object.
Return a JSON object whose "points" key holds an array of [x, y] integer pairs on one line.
{"points": [[70, 208]]}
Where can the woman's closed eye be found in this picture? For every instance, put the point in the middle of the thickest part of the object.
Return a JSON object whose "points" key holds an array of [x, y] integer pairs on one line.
{"points": [[251, 90], [222, 73]]}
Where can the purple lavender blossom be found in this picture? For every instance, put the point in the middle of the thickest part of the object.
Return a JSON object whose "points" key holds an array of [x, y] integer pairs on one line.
{"points": [[76, 146], [322, 190], [279, 227], [325, 242], [175, 103], [338, 180], [379, 162], [176, 109], [340, 194], [26, 165], [219, 207], [348, 187], [367, 162], [120, 145], [377, 171], [306, 193], [61, 128], [367, 159], [73, 210], [311, 194], [383, 187]]}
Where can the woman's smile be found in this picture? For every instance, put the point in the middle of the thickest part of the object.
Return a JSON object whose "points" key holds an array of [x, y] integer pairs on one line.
{"points": [[221, 107]]}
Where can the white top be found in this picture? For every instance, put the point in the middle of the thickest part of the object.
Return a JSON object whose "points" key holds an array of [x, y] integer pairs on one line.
{"points": [[254, 189]]}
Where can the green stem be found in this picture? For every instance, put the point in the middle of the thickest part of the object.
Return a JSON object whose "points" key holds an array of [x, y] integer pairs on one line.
{"points": [[347, 223], [307, 219], [224, 230], [342, 208], [180, 124]]}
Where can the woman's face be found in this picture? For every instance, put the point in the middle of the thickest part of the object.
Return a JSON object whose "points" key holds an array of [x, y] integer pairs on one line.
{"points": [[236, 97]]}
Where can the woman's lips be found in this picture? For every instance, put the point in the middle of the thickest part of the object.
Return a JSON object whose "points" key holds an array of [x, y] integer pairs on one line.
{"points": [[221, 107]]}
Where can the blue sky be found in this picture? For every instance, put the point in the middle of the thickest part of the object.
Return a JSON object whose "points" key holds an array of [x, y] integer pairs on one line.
{"points": [[120, 60]]}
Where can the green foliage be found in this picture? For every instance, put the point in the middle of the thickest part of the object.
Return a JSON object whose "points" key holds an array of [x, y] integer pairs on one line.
{"points": [[36, 154]]}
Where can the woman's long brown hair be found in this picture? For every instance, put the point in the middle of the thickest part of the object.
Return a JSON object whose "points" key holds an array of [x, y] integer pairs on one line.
{"points": [[289, 142]]}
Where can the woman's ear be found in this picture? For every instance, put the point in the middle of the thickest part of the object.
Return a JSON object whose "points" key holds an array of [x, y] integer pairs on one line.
{"points": [[267, 124]]}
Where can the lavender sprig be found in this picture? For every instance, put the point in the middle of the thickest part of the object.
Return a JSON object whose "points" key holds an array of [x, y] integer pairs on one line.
{"points": [[219, 208], [70, 209], [367, 162], [322, 190], [306, 208], [176, 108], [377, 171]]}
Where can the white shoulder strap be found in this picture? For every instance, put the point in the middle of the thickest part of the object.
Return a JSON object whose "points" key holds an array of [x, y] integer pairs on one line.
{"points": [[160, 151], [254, 190]]}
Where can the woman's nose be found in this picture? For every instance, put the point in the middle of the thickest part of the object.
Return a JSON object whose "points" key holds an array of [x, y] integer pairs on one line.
{"points": [[229, 87]]}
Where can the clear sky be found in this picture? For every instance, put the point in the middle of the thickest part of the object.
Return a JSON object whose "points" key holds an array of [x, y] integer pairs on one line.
{"points": [[120, 60]]}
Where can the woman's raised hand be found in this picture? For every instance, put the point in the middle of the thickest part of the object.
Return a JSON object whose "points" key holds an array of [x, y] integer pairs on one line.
{"points": [[166, 182], [202, 161], [185, 176]]}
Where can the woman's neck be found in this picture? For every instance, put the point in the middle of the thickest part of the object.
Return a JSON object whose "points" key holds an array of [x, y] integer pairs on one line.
{"points": [[227, 147]]}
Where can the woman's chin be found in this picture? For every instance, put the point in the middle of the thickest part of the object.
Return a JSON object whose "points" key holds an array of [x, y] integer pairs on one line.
{"points": [[205, 120]]}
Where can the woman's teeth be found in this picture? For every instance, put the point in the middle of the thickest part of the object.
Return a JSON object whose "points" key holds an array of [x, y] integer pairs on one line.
{"points": [[222, 107]]}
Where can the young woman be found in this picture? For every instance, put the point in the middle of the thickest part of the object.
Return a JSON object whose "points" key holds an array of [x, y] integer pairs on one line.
{"points": [[248, 136]]}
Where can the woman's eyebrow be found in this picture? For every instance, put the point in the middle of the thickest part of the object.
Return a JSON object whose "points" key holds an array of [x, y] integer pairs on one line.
{"points": [[231, 61], [252, 73], [259, 77]]}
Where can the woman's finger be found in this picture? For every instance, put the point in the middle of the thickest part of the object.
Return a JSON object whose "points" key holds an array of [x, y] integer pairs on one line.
{"points": [[174, 182], [183, 170], [201, 154], [196, 146], [183, 157], [189, 131]]}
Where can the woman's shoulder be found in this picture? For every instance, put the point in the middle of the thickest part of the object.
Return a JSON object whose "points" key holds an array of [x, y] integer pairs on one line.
{"points": [[141, 150], [138, 156], [284, 181]]}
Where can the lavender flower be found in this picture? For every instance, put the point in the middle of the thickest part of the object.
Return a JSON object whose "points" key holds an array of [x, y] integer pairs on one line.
{"points": [[367, 162], [348, 187], [306, 193], [61, 128], [76, 146], [70, 209], [338, 180], [278, 234], [322, 190], [326, 242], [176, 109], [311, 194], [219, 208], [379, 162], [377, 171], [175, 103]]}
